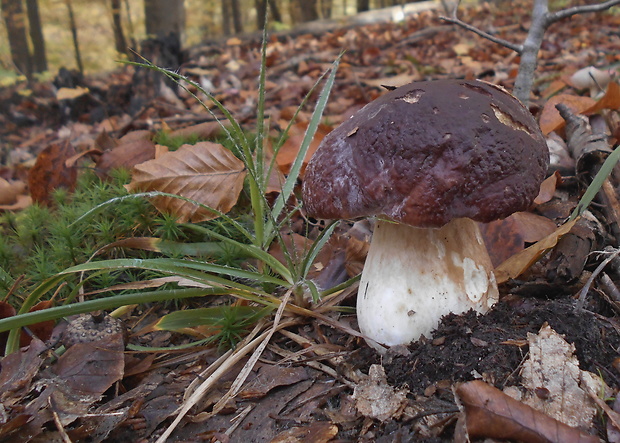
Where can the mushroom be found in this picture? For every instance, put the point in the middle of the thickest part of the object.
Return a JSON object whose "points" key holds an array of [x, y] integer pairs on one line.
{"points": [[429, 160]]}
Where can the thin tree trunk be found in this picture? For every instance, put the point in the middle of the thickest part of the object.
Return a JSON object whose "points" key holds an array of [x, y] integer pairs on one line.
{"points": [[226, 17], [164, 17], [36, 36], [236, 16], [15, 21], [309, 10], [261, 10], [363, 5], [275, 11], [76, 45], [117, 27]]}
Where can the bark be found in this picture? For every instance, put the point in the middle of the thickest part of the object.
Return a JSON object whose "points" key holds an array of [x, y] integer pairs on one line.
{"points": [[261, 10], [363, 5], [36, 36], [164, 17], [117, 26], [274, 10], [308, 9], [326, 8], [74, 33], [236, 16], [226, 17], [15, 21]]}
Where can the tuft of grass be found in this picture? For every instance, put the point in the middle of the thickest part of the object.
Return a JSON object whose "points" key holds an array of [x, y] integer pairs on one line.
{"points": [[236, 245]]}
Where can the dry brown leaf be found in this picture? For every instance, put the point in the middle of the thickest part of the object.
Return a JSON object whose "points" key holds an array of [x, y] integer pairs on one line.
{"points": [[548, 187], [507, 237], [318, 432], [289, 150], [550, 119], [611, 99], [50, 172], [203, 131], [489, 413], [205, 172], [9, 191], [125, 155], [519, 263]]}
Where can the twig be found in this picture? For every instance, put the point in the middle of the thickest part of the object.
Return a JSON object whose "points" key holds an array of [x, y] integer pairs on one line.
{"points": [[500, 41], [584, 291], [541, 20]]}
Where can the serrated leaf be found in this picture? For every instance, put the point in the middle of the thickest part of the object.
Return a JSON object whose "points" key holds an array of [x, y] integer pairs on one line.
{"points": [[205, 172]]}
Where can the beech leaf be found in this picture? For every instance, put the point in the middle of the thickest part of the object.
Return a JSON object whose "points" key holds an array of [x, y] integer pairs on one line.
{"points": [[205, 172], [489, 413]]}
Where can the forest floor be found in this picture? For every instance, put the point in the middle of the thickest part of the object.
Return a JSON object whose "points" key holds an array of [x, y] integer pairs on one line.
{"points": [[314, 381]]}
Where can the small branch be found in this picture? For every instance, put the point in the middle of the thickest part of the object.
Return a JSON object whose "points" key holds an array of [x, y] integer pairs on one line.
{"points": [[565, 13], [481, 33]]}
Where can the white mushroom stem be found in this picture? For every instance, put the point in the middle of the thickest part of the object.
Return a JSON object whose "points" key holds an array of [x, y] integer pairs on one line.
{"points": [[414, 276]]}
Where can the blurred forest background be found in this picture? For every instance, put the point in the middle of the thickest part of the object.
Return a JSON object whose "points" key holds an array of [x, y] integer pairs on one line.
{"points": [[45, 32]]}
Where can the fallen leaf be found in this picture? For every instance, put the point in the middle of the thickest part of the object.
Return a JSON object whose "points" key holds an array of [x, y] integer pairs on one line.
{"points": [[507, 237], [91, 368], [50, 172], [553, 367], [318, 432], [71, 93], [489, 413], [519, 263], [205, 172], [550, 118], [289, 150], [125, 155], [202, 131], [375, 398], [548, 187], [9, 191], [611, 99]]}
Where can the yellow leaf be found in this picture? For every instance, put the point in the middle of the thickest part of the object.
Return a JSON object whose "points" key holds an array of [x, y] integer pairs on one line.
{"points": [[205, 172], [519, 263]]}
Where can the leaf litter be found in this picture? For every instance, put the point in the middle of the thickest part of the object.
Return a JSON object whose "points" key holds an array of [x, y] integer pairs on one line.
{"points": [[312, 384]]}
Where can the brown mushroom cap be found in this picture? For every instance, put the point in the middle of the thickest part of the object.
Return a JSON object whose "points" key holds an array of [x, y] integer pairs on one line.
{"points": [[429, 152]]}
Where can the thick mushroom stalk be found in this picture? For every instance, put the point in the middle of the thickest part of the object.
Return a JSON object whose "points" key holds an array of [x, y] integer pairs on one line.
{"points": [[414, 276]]}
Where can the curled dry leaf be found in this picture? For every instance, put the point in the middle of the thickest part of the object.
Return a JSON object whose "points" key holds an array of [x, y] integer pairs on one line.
{"points": [[489, 413], [508, 236], [519, 263], [205, 172], [9, 191], [50, 172]]}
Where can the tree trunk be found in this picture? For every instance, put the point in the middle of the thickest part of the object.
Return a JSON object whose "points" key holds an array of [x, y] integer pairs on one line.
{"points": [[117, 27], [363, 5], [236, 16], [261, 10], [308, 9], [326, 8], [76, 45], [164, 17], [36, 36], [275, 11], [15, 21], [226, 18]]}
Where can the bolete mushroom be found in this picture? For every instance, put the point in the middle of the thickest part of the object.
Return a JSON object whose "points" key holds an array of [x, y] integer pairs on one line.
{"points": [[428, 159]]}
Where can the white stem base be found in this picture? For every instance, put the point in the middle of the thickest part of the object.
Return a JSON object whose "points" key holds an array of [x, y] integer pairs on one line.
{"points": [[414, 276]]}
